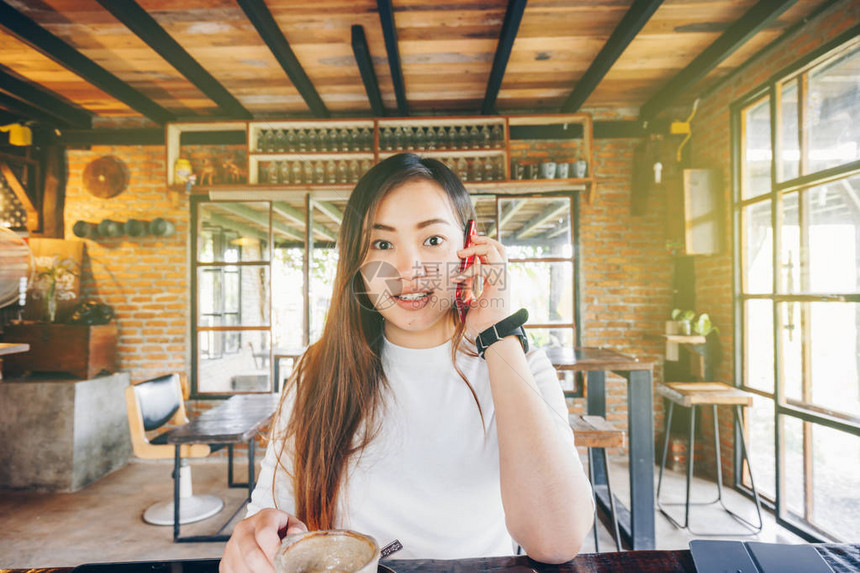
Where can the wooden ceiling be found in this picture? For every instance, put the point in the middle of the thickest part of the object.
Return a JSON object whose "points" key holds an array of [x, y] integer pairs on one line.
{"points": [[459, 56]]}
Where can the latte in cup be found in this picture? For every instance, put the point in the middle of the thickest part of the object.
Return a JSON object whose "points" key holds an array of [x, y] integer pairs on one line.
{"points": [[327, 551]]}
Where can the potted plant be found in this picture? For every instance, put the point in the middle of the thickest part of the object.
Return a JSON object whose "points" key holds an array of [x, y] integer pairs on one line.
{"points": [[681, 322], [703, 326], [56, 282]]}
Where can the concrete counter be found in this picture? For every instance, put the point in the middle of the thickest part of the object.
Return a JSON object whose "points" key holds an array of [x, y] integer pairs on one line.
{"points": [[60, 435]]}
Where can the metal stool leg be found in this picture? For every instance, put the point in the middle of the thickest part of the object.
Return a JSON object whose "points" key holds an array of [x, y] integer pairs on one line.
{"points": [[611, 502], [665, 449], [691, 451]]}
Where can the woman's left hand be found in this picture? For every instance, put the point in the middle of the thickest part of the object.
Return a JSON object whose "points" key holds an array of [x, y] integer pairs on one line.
{"points": [[492, 303]]}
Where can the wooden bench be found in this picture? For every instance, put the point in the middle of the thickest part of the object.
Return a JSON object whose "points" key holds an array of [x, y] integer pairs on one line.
{"points": [[594, 432]]}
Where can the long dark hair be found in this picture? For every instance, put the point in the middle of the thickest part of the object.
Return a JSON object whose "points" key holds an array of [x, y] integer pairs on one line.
{"points": [[338, 382]]}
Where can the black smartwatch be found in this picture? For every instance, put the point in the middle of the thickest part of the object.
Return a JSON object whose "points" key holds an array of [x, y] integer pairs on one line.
{"points": [[511, 326]]}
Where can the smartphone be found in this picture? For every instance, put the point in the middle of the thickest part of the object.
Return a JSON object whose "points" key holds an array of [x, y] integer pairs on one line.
{"points": [[462, 297]]}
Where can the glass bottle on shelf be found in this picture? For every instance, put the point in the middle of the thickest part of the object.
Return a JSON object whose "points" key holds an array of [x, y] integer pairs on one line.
{"points": [[355, 139], [285, 171], [324, 141], [273, 172], [331, 171], [489, 169], [343, 137], [451, 138], [319, 171], [408, 138], [261, 141], [269, 141], [312, 139], [334, 140], [292, 144], [366, 164], [485, 137], [431, 138], [474, 137], [499, 164], [385, 137], [352, 171], [366, 139], [296, 177], [342, 172], [463, 169], [302, 139], [476, 170], [280, 141], [308, 176], [397, 140], [420, 138], [497, 136], [463, 138]]}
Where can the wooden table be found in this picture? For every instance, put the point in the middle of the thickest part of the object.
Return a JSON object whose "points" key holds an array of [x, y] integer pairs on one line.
{"points": [[637, 523], [842, 558], [7, 348], [236, 421]]}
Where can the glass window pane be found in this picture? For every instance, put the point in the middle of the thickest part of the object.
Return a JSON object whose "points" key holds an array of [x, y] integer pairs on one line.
{"points": [[544, 337], [834, 112], [757, 248], [835, 356], [232, 232], [758, 344], [536, 227], [544, 289], [233, 296], [760, 436], [836, 482], [288, 295], [485, 209], [792, 429], [834, 236], [790, 245], [791, 361], [244, 371], [789, 166], [757, 152], [324, 258]]}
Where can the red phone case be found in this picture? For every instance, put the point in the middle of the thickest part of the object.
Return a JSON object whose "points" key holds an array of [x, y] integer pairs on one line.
{"points": [[462, 301]]}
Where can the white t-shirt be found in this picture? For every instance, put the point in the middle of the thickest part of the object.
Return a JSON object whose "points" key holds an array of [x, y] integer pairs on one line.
{"points": [[430, 478]]}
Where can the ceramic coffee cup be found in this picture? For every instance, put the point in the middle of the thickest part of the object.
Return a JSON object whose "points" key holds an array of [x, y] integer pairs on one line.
{"points": [[547, 170], [327, 551], [561, 171], [580, 169]]}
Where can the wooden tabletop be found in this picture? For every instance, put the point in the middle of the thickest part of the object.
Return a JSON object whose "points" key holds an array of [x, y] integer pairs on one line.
{"points": [[842, 558], [583, 359], [234, 421], [13, 348]]}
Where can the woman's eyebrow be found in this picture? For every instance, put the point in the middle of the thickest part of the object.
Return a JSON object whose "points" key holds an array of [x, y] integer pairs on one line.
{"points": [[420, 225]]}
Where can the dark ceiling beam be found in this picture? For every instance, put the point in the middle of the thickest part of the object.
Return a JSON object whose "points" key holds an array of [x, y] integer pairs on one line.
{"points": [[510, 27], [150, 31], [65, 113], [632, 22], [29, 32], [260, 16], [365, 66], [29, 112], [747, 26], [389, 32]]}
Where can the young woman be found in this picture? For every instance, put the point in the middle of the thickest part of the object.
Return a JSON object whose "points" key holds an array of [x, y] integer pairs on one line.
{"points": [[392, 424]]}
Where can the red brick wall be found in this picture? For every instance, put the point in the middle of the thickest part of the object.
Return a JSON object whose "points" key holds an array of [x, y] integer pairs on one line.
{"points": [[144, 279], [711, 144]]}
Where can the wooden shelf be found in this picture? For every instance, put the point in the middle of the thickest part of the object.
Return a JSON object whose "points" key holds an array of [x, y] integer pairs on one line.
{"points": [[684, 339]]}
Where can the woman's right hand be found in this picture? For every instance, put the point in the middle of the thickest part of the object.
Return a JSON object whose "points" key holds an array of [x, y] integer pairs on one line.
{"points": [[256, 539]]}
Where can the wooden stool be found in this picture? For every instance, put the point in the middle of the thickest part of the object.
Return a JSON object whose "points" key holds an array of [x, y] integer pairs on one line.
{"points": [[594, 432], [690, 395]]}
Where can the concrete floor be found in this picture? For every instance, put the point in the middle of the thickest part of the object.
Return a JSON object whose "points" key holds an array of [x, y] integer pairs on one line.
{"points": [[102, 522]]}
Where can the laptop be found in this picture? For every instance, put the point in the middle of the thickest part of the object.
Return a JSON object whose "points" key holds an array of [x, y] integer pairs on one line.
{"points": [[754, 557]]}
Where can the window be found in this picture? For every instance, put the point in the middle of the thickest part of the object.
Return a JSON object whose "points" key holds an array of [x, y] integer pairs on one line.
{"points": [[797, 207], [263, 291]]}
